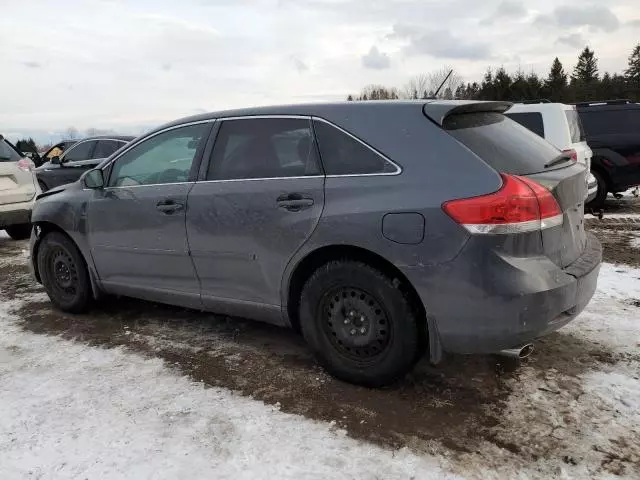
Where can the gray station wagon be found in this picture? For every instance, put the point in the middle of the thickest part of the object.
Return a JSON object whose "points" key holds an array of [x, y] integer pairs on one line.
{"points": [[379, 230]]}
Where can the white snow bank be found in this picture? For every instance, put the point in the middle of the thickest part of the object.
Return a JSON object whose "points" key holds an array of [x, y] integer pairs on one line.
{"points": [[68, 410], [611, 318]]}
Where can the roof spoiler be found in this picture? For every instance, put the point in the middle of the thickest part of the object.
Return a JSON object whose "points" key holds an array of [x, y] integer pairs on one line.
{"points": [[438, 111]]}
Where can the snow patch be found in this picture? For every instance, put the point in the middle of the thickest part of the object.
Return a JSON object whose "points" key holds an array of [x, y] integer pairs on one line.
{"points": [[69, 410]]}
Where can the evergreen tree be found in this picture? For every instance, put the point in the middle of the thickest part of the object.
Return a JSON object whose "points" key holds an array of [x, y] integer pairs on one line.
{"points": [[448, 94], [460, 93], [556, 83], [534, 87], [519, 87], [586, 70], [633, 72], [502, 85], [350, 98]]}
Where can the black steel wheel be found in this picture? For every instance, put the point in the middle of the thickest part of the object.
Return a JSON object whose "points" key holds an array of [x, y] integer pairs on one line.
{"points": [[64, 273], [360, 324], [355, 323]]}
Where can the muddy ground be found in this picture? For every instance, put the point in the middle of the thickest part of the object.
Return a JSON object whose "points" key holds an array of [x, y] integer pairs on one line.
{"points": [[456, 408]]}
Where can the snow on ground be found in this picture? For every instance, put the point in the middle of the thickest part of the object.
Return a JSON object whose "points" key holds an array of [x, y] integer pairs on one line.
{"points": [[69, 410]]}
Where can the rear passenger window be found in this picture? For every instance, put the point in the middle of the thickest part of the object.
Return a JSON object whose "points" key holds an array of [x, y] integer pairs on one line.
{"points": [[105, 148], [263, 148], [344, 155], [600, 122], [531, 120]]}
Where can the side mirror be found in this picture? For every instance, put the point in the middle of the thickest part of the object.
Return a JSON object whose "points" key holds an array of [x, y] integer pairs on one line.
{"points": [[93, 179], [55, 160]]}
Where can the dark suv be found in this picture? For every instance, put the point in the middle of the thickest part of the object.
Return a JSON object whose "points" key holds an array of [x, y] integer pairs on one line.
{"points": [[377, 229], [612, 130]]}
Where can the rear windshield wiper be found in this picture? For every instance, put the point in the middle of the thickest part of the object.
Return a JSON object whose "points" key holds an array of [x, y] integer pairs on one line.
{"points": [[563, 157]]}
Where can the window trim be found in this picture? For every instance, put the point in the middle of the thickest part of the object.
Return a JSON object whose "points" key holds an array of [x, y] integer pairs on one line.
{"points": [[133, 144]]}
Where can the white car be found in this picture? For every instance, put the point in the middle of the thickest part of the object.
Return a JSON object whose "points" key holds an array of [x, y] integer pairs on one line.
{"points": [[560, 125], [18, 191]]}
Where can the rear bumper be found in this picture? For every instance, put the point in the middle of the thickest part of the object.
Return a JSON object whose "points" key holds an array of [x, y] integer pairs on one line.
{"points": [[507, 301], [15, 213]]}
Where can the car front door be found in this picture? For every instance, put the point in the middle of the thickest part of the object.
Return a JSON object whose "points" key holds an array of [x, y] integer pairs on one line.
{"points": [[71, 163], [137, 222], [260, 198]]}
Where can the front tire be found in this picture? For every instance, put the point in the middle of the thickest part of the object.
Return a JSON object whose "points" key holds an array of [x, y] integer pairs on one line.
{"points": [[359, 324], [19, 232], [64, 273]]}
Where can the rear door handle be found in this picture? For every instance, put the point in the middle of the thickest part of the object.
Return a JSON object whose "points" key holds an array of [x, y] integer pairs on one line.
{"points": [[169, 206], [294, 202]]}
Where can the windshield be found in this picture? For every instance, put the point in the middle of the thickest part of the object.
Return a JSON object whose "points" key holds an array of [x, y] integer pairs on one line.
{"points": [[575, 126], [504, 144]]}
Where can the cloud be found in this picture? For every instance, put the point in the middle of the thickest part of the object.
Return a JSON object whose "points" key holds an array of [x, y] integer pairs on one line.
{"points": [[32, 64], [573, 40], [595, 17], [440, 44], [376, 60], [633, 23], [508, 9], [298, 64]]}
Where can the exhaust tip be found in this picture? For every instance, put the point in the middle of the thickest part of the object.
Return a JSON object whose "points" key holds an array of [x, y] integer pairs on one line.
{"points": [[519, 353]]}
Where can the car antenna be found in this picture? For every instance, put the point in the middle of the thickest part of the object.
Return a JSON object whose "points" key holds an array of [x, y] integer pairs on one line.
{"points": [[435, 95]]}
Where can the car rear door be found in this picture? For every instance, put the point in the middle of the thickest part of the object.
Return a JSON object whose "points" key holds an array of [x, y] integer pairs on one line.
{"points": [[137, 222], [260, 197], [71, 166], [512, 149], [16, 182]]}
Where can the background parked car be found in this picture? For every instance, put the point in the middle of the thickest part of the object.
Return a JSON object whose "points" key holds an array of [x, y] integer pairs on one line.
{"points": [[612, 130], [560, 125], [347, 221], [84, 155], [54, 151], [18, 189]]}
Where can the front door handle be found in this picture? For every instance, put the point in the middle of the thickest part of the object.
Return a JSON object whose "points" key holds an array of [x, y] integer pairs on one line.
{"points": [[169, 206], [294, 202]]}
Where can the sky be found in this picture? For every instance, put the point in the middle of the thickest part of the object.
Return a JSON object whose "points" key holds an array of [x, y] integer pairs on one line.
{"points": [[129, 65]]}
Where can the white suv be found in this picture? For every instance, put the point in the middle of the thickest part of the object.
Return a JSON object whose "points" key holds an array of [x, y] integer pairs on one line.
{"points": [[18, 191], [560, 125]]}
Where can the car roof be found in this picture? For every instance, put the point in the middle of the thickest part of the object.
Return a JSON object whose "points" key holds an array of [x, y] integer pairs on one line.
{"points": [[332, 109], [599, 107], [126, 138]]}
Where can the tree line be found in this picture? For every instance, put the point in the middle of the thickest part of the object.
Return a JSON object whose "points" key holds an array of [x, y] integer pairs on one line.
{"points": [[583, 84]]}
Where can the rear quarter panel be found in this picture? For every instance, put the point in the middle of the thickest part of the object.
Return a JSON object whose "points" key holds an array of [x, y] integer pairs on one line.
{"points": [[435, 169]]}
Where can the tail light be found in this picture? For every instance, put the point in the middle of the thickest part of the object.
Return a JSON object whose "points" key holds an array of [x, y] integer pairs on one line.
{"points": [[26, 164], [570, 152], [521, 205]]}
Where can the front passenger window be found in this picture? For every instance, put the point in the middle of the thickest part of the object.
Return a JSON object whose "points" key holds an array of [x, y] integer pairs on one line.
{"points": [[163, 158]]}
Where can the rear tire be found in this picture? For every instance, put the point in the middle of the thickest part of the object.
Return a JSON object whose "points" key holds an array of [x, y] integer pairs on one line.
{"points": [[601, 195], [19, 232], [359, 324], [64, 273]]}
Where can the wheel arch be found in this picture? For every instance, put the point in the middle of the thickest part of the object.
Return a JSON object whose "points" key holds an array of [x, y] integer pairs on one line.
{"points": [[322, 255], [42, 229]]}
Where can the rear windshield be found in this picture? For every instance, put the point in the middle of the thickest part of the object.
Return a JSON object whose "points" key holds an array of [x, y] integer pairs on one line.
{"points": [[530, 120], [575, 126], [8, 153], [505, 145]]}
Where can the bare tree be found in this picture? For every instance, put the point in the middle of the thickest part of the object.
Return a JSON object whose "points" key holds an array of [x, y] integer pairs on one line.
{"points": [[71, 133], [378, 92], [425, 84]]}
